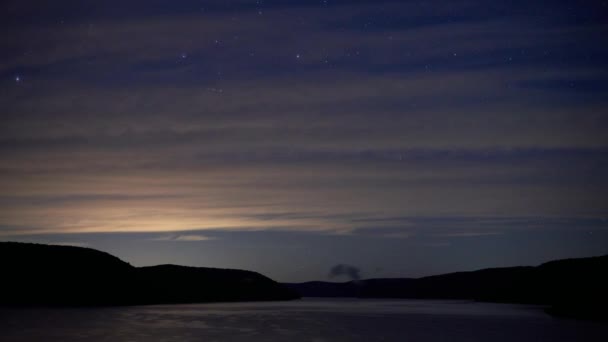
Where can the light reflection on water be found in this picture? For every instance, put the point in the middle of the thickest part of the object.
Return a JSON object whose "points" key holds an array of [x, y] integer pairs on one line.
{"points": [[312, 320]]}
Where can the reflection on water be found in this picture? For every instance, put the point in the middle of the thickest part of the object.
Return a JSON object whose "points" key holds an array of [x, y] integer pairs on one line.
{"points": [[306, 320]]}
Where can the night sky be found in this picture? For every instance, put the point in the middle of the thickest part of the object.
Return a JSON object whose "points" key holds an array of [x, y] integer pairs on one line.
{"points": [[404, 138]]}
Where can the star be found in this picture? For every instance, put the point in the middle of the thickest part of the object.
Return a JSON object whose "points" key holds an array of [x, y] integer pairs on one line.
{"points": [[298, 56], [17, 78]]}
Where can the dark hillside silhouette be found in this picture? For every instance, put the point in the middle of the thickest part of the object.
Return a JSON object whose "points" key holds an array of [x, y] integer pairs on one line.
{"points": [[180, 284], [34, 274], [572, 287]]}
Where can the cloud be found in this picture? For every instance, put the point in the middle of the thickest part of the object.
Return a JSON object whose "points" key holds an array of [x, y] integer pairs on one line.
{"points": [[193, 238], [349, 271], [437, 244], [71, 243], [469, 234], [186, 238], [112, 130]]}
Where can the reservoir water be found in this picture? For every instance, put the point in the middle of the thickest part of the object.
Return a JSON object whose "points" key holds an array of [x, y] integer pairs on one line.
{"points": [[311, 320]]}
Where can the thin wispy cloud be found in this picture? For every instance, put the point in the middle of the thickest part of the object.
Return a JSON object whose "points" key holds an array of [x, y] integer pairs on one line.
{"points": [[469, 234], [184, 238], [71, 243]]}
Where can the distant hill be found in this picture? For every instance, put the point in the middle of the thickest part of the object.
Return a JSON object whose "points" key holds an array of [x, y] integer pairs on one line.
{"points": [[573, 287], [35, 274]]}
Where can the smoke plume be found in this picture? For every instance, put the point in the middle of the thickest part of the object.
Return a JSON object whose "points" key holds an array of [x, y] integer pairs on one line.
{"points": [[345, 270]]}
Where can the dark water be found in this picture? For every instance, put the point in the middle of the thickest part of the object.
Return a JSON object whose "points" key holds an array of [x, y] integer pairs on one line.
{"points": [[312, 320]]}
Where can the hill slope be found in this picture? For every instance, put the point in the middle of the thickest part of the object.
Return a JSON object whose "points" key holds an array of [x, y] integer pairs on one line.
{"points": [[34, 274], [574, 287]]}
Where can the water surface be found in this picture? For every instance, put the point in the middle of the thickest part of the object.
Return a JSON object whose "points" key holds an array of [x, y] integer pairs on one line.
{"points": [[312, 320]]}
